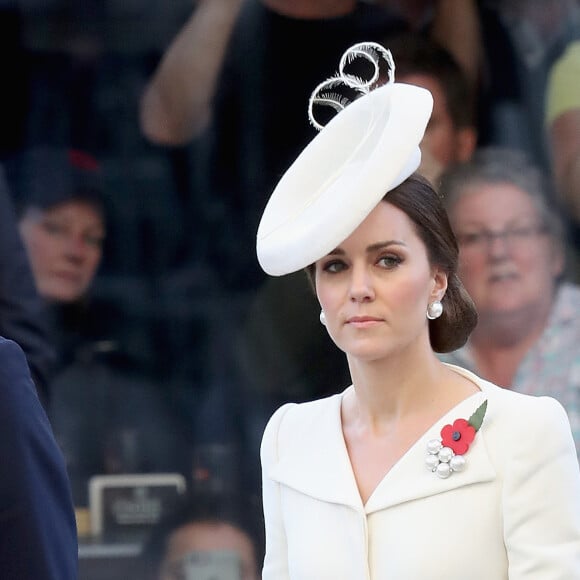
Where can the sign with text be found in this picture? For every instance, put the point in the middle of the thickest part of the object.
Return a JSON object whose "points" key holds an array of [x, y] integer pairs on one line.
{"points": [[128, 504]]}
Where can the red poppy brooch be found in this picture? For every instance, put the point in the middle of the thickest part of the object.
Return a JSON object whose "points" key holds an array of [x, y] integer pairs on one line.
{"points": [[445, 455]]}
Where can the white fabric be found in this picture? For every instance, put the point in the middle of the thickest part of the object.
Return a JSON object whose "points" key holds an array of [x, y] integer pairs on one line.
{"points": [[514, 513], [365, 151]]}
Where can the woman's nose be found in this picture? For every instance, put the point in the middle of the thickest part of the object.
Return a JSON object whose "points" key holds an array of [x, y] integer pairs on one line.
{"points": [[498, 246], [361, 285], [76, 248]]}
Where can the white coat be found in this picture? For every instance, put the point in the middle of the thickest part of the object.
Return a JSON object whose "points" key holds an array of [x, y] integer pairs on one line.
{"points": [[512, 513]]}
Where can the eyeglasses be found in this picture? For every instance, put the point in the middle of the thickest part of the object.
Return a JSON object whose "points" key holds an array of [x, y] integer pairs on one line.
{"points": [[514, 237]]}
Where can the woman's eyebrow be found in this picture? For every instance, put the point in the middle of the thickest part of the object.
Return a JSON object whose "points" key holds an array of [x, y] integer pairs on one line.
{"points": [[372, 248], [380, 245]]}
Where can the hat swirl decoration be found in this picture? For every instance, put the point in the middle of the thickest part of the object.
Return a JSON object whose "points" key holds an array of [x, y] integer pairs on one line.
{"points": [[369, 147], [370, 51]]}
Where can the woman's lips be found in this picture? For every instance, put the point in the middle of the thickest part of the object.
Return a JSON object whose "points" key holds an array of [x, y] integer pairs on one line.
{"points": [[70, 277], [502, 276], [363, 321]]}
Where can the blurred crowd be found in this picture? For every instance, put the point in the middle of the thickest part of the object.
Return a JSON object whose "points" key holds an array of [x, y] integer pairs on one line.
{"points": [[140, 143]]}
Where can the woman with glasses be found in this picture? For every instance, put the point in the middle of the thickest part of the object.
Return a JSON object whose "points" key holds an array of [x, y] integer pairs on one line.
{"points": [[512, 261]]}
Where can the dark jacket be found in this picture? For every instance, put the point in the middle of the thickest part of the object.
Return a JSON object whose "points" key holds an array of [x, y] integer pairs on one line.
{"points": [[37, 524]]}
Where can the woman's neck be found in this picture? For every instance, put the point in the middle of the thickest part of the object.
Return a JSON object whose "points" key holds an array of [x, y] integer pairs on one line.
{"points": [[400, 388]]}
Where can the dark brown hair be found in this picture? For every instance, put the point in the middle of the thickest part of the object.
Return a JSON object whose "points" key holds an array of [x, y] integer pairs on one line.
{"points": [[424, 207]]}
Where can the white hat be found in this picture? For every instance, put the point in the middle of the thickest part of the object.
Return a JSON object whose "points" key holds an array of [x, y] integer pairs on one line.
{"points": [[366, 150]]}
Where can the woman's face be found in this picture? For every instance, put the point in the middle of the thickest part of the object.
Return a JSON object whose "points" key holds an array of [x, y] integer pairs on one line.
{"points": [[507, 260], [64, 244], [375, 287]]}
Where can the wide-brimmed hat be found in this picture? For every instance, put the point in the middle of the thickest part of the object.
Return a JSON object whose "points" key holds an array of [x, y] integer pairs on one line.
{"points": [[368, 148]]}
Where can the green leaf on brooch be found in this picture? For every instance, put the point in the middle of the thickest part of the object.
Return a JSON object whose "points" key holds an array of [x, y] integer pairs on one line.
{"points": [[477, 418]]}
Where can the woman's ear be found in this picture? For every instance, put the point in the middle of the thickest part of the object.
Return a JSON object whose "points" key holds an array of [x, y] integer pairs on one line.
{"points": [[439, 284]]}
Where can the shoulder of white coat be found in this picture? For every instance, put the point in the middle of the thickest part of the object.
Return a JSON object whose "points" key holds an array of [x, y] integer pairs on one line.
{"points": [[522, 407], [288, 421], [507, 405], [515, 421], [526, 421]]}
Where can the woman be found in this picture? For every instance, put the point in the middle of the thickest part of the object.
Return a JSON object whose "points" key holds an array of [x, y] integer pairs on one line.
{"points": [[107, 415], [418, 469], [512, 263], [60, 209]]}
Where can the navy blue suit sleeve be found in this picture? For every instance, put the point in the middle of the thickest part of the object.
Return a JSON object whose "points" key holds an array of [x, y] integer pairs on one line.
{"points": [[37, 524], [23, 316]]}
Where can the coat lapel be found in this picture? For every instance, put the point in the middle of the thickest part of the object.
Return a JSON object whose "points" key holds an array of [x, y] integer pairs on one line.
{"points": [[316, 461], [410, 479]]}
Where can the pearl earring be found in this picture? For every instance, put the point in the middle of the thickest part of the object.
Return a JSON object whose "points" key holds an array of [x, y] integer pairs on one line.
{"points": [[434, 310], [322, 318]]}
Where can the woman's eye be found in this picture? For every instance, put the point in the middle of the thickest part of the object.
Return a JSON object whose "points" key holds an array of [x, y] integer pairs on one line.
{"points": [[334, 266], [54, 228], [389, 261], [95, 241]]}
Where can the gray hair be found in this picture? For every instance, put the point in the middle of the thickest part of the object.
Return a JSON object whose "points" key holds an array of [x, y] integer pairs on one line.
{"points": [[504, 165]]}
